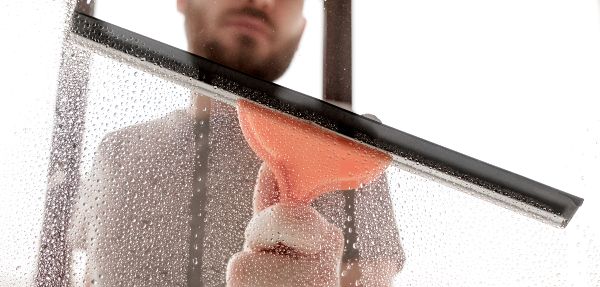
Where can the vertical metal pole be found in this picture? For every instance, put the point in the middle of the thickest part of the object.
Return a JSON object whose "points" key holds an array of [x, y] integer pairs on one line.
{"points": [[63, 174], [85, 7], [337, 64], [337, 85]]}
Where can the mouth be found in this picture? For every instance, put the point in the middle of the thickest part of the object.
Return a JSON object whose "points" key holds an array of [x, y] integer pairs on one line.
{"points": [[251, 25]]}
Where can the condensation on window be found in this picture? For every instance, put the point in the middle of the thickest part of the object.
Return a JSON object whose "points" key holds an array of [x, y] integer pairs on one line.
{"points": [[168, 195], [165, 196]]}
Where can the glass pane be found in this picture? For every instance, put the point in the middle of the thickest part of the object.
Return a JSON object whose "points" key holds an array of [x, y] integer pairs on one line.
{"points": [[169, 200], [129, 205], [151, 178], [167, 195]]}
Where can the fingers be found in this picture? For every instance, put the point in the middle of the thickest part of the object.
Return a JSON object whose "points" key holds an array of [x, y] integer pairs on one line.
{"points": [[266, 192], [299, 229], [264, 270], [288, 246]]}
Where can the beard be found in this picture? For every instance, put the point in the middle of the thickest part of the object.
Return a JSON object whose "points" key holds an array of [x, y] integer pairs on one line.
{"points": [[244, 57], [244, 54]]}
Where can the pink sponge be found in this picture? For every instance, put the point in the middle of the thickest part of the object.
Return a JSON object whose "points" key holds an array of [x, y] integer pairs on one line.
{"points": [[307, 160]]}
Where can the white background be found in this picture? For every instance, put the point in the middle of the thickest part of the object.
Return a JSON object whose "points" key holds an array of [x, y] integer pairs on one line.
{"points": [[513, 83]]}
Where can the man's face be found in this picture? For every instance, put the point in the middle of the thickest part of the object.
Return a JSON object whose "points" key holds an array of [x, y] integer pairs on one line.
{"points": [[258, 37]]}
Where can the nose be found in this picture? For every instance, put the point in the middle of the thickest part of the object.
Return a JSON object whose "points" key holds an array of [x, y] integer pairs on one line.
{"points": [[264, 5]]}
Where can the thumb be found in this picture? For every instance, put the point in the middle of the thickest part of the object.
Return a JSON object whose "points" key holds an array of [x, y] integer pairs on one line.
{"points": [[266, 191]]}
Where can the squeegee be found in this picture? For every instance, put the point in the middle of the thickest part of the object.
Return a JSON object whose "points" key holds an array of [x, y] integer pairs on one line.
{"points": [[363, 147]]}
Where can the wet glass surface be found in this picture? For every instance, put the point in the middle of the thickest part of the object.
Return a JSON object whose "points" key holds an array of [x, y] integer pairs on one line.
{"points": [[141, 221], [165, 197], [167, 191]]}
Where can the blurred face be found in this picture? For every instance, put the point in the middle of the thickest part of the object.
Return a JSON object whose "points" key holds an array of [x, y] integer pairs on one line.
{"points": [[258, 37]]}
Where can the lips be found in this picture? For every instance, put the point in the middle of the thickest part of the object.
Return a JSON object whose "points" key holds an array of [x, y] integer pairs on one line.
{"points": [[294, 231], [249, 24]]}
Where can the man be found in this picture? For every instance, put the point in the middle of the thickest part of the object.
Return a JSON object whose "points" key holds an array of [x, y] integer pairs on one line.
{"points": [[175, 201]]}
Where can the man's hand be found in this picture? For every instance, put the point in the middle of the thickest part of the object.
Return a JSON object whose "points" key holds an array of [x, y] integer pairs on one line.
{"points": [[285, 245]]}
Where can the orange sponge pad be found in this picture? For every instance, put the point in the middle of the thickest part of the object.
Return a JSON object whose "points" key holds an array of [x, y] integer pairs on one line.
{"points": [[307, 160]]}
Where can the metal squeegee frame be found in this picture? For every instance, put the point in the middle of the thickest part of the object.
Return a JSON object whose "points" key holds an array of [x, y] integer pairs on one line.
{"points": [[475, 177]]}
